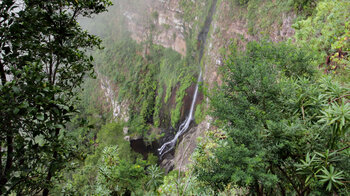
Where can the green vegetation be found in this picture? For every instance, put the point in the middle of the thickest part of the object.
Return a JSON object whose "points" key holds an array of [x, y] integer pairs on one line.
{"points": [[43, 63], [241, 2], [180, 94], [194, 12], [327, 33], [282, 112], [200, 112], [147, 75], [283, 126], [157, 108], [274, 111], [111, 168], [143, 79], [177, 183], [305, 6], [265, 17], [194, 15]]}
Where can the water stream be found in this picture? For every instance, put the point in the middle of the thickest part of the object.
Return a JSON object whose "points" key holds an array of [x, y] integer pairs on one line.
{"points": [[202, 37], [184, 126]]}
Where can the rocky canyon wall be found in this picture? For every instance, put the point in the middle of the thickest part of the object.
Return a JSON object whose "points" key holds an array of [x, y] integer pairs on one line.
{"points": [[164, 22]]}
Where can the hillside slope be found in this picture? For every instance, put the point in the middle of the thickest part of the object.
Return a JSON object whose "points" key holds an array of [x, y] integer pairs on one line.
{"points": [[176, 25]]}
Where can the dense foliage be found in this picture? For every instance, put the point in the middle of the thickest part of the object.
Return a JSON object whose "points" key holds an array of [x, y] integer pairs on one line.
{"points": [[305, 6], [327, 33], [147, 76], [285, 130], [42, 63], [281, 114], [282, 126], [110, 168], [147, 81]]}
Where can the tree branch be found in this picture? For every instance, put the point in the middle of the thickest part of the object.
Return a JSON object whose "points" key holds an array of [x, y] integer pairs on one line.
{"points": [[2, 73], [347, 95], [51, 167], [290, 180], [9, 161], [55, 72], [341, 149]]}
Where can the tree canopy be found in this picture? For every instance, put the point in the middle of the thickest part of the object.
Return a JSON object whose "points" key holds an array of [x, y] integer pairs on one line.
{"points": [[43, 61], [278, 123], [283, 126]]}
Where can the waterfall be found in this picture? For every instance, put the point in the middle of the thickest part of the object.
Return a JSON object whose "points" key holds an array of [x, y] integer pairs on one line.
{"points": [[184, 126], [202, 37], [168, 146]]}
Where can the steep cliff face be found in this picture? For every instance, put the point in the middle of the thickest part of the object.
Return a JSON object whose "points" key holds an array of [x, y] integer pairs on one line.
{"points": [[232, 22], [161, 18], [176, 24], [172, 26], [120, 109], [224, 27]]}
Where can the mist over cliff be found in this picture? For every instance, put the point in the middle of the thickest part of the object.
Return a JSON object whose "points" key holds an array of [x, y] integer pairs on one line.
{"points": [[175, 90]]}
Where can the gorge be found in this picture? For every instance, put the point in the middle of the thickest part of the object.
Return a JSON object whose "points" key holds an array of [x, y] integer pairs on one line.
{"points": [[175, 97]]}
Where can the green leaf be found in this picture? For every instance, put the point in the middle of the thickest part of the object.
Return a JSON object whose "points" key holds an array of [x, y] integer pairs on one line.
{"points": [[16, 89], [40, 140], [17, 174], [40, 116], [15, 111]]}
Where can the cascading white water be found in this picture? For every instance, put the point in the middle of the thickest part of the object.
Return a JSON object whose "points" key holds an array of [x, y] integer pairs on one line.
{"points": [[184, 126], [202, 37]]}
